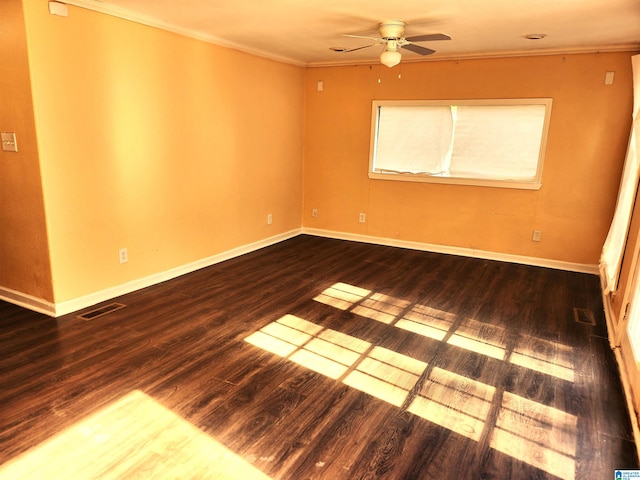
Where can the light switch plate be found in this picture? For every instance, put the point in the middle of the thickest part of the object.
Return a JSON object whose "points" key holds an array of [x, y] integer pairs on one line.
{"points": [[608, 78], [9, 143]]}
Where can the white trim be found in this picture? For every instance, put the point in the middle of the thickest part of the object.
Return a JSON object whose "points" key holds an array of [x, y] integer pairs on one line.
{"points": [[456, 179], [622, 367], [477, 182], [624, 377], [76, 304], [132, 16], [27, 301], [462, 251], [614, 341], [443, 57]]}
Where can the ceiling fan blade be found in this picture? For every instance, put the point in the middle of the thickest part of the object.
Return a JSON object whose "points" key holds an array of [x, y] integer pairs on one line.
{"points": [[429, 37], [418, 49], [354, 49], [377, 39]]}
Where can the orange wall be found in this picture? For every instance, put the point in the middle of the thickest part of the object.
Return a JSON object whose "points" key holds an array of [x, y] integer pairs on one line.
{"points": [[24, 254], [586, 146], [173, 148]]}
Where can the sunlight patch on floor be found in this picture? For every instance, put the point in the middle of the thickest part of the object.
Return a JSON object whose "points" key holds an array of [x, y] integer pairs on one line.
{"points": [[380, 307], [284, 336], [526, 430], [375, 370], [322, 350], [455, 402], [386, 375], [481, 338], [544, 356], [133, 437], [342, 295], [550, 358], [426, 321], [536, 434]]}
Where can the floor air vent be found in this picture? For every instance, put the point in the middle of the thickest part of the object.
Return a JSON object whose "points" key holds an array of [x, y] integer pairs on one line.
{"points": [[584, 315], [98, 312]]}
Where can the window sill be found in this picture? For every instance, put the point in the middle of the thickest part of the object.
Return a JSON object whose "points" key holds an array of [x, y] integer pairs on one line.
{"points": [[477, 182]]}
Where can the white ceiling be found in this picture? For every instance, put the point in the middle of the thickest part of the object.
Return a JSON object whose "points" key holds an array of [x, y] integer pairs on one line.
{"points": [[302, 31]]}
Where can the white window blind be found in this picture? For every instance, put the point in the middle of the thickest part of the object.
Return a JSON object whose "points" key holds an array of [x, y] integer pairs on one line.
{"points": [[497, 141], [414, 139], [467, 141]]}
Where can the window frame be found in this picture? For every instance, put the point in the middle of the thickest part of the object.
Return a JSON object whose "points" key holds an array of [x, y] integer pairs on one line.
{"points": [[534, 184]]}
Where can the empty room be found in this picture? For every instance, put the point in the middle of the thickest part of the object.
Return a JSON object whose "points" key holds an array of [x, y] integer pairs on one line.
{"points": [[328, 240]]}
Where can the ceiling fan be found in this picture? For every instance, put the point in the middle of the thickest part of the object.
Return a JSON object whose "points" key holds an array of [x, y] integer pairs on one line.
{"points": [[392, 37]]}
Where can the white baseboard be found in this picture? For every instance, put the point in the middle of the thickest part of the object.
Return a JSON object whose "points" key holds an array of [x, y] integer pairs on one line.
{"points": [[75, 304], [27, 301], [465, 252]]}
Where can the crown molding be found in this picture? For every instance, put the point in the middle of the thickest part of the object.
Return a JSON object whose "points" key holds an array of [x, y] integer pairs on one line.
{"points": [[125, 14], [438, 57]]}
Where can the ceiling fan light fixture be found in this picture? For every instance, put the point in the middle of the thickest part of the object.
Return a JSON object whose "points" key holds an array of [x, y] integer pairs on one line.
{"points": [[390, 58]]}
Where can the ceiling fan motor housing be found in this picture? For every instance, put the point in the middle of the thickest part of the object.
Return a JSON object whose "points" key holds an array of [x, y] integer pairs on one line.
{"points": [[391, 29]]}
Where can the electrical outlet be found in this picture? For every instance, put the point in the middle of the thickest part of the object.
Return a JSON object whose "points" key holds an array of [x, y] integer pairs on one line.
{"points": [[269, 219], [536, 235], [362, 218], [123, 255], [314, 212]]}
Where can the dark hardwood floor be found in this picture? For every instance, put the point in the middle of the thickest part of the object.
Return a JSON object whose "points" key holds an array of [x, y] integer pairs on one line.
{"points": [[320, 358]]}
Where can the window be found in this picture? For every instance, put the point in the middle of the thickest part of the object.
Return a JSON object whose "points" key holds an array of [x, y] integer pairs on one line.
{"points": [[474, 142]]}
